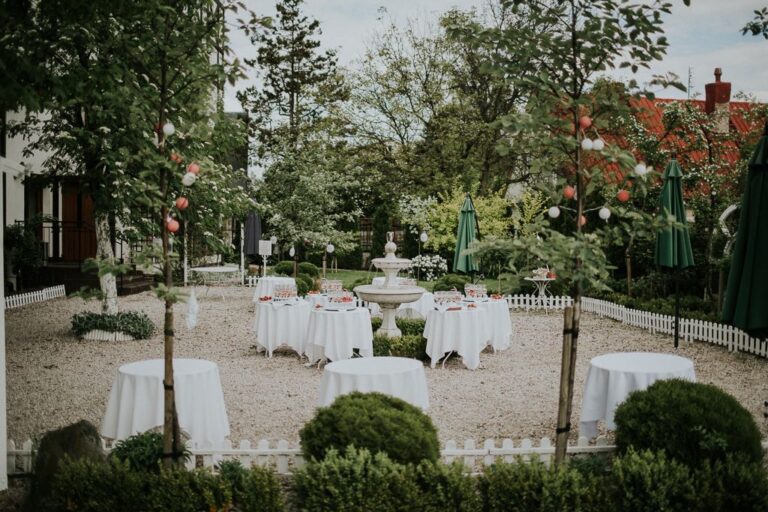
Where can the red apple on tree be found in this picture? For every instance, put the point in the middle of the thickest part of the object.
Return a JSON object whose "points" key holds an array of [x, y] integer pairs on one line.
{"points": [[585, 122], [582, 220], [182, 203], [194, 168], [569, 192], [172, 225], [623, 195]]}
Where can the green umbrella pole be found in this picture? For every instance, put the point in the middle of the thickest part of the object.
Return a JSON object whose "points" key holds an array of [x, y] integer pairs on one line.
{"points": [[677, 310]]}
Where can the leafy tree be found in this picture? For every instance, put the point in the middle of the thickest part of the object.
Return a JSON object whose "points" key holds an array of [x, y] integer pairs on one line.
{"points": [[582, 39], [758, 26]]}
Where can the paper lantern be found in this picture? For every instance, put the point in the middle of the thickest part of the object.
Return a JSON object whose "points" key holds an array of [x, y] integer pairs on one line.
{"points": [[182, 203], [598, 144], [169, 129], [623, 195], [292, 252], [189, 179], [587, 144], [172, 225], [585, 122], [604, 213], [554, 212], [569, 192], [193, 168], [641, 169]]}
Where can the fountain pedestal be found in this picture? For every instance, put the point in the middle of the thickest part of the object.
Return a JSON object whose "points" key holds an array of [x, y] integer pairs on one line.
{"points": [[390, 295]]}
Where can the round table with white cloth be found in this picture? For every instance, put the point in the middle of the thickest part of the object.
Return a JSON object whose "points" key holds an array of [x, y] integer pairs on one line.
{"points": [[281, 323], [612, 377], [499, 321], [333, 335], [416, 309], [136, 400], [464, 331], [266, 286], [395, 376]]}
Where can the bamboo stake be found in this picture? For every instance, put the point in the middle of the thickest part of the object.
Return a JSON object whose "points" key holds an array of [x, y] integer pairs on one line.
{"points": [[566, 383]]}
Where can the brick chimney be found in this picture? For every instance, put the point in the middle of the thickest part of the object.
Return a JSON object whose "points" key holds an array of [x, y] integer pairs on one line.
{"points": [[718, 96]]}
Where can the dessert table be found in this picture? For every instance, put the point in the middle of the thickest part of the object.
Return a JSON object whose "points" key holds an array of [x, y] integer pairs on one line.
{"points": [[465, 331], [499, 321], [395, 376], [281, 323], [317, 299], [136, 400], [612, 377], [334, 334], [266, 286], [417, 309]]}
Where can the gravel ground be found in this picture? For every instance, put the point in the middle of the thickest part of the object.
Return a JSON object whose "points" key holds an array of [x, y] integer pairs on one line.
{"points": [[55, 379]]}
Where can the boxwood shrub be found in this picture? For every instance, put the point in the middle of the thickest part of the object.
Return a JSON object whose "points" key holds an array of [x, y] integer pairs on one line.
{"points": [[414, 347], [308, 268], [648, 481], [142, 452], [374, 421], [133, 323], [691, 422], [253, 489], [449, 282], [408, 326], [284, 268]]}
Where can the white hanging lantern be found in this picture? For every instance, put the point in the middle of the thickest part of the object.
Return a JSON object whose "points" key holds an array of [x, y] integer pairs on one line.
{"points": [[587, 144], [291, 252], [189, 179], [641, 169], [169, 129], [598, 145], [554, 212], [330, 248], [604, 213]]}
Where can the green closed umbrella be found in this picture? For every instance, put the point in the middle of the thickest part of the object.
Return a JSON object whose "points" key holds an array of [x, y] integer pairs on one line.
{"points": [[465, 235], [673, 245], [746, 298]]}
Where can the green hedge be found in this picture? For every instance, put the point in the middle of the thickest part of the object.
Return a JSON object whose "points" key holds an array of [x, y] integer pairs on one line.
{"points": [[414, 347], [450, 281], [142, 452], [132, 323], [358, 480], [408, 326], [691, 422], [649, 481], [284, 268], [308, 268], [84, 486], [374, 421], [532, 486]]}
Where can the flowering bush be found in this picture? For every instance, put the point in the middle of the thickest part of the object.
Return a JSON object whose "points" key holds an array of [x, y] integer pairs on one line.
{"points": [[429, 267]]}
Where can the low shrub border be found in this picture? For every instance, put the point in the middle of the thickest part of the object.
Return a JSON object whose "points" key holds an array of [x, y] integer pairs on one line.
{"points": [[131, 323]]}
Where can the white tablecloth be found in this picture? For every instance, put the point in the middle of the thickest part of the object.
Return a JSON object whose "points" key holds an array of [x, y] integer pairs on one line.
{"points": [[499, 322], [465, 332], [317, 299], [266, 286], [334, 334], [136, 400], [396, 376], [612, 377], [277, 323]]}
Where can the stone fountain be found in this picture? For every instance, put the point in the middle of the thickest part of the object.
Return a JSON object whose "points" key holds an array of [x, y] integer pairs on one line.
{"points": [[390, 295]]}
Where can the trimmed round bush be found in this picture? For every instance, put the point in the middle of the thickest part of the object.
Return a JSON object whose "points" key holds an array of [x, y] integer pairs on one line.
{"points": [[374, 421], [450, 281], [691, 422], [304, 283], [647, 480], [284, 267], [311, 269]]}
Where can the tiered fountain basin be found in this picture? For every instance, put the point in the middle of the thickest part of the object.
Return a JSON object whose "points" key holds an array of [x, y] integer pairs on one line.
{"points": [[390, 295]]}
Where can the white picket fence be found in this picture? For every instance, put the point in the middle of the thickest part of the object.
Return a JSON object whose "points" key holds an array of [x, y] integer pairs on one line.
{"points": [[529, 302], [735, 340], [285, 458], [22, 299]]}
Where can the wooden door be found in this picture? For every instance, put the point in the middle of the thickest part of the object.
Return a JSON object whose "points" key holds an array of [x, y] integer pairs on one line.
{"points": [[77, 226]]}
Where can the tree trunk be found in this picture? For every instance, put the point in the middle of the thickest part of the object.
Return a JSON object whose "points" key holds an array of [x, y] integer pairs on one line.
{"points": [[628, 262], [104, 251]]}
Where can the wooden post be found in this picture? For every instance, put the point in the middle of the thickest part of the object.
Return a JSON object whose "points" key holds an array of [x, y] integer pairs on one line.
{"points": [[566, 385]]}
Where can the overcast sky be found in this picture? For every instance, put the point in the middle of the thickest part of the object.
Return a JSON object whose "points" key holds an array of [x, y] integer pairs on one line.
{"points": [[702, 37]]}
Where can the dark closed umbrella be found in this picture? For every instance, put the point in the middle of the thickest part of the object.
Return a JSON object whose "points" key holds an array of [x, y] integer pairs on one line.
{"points": [[252, 234], [746, 298], [465, 235], [673, 245]]}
